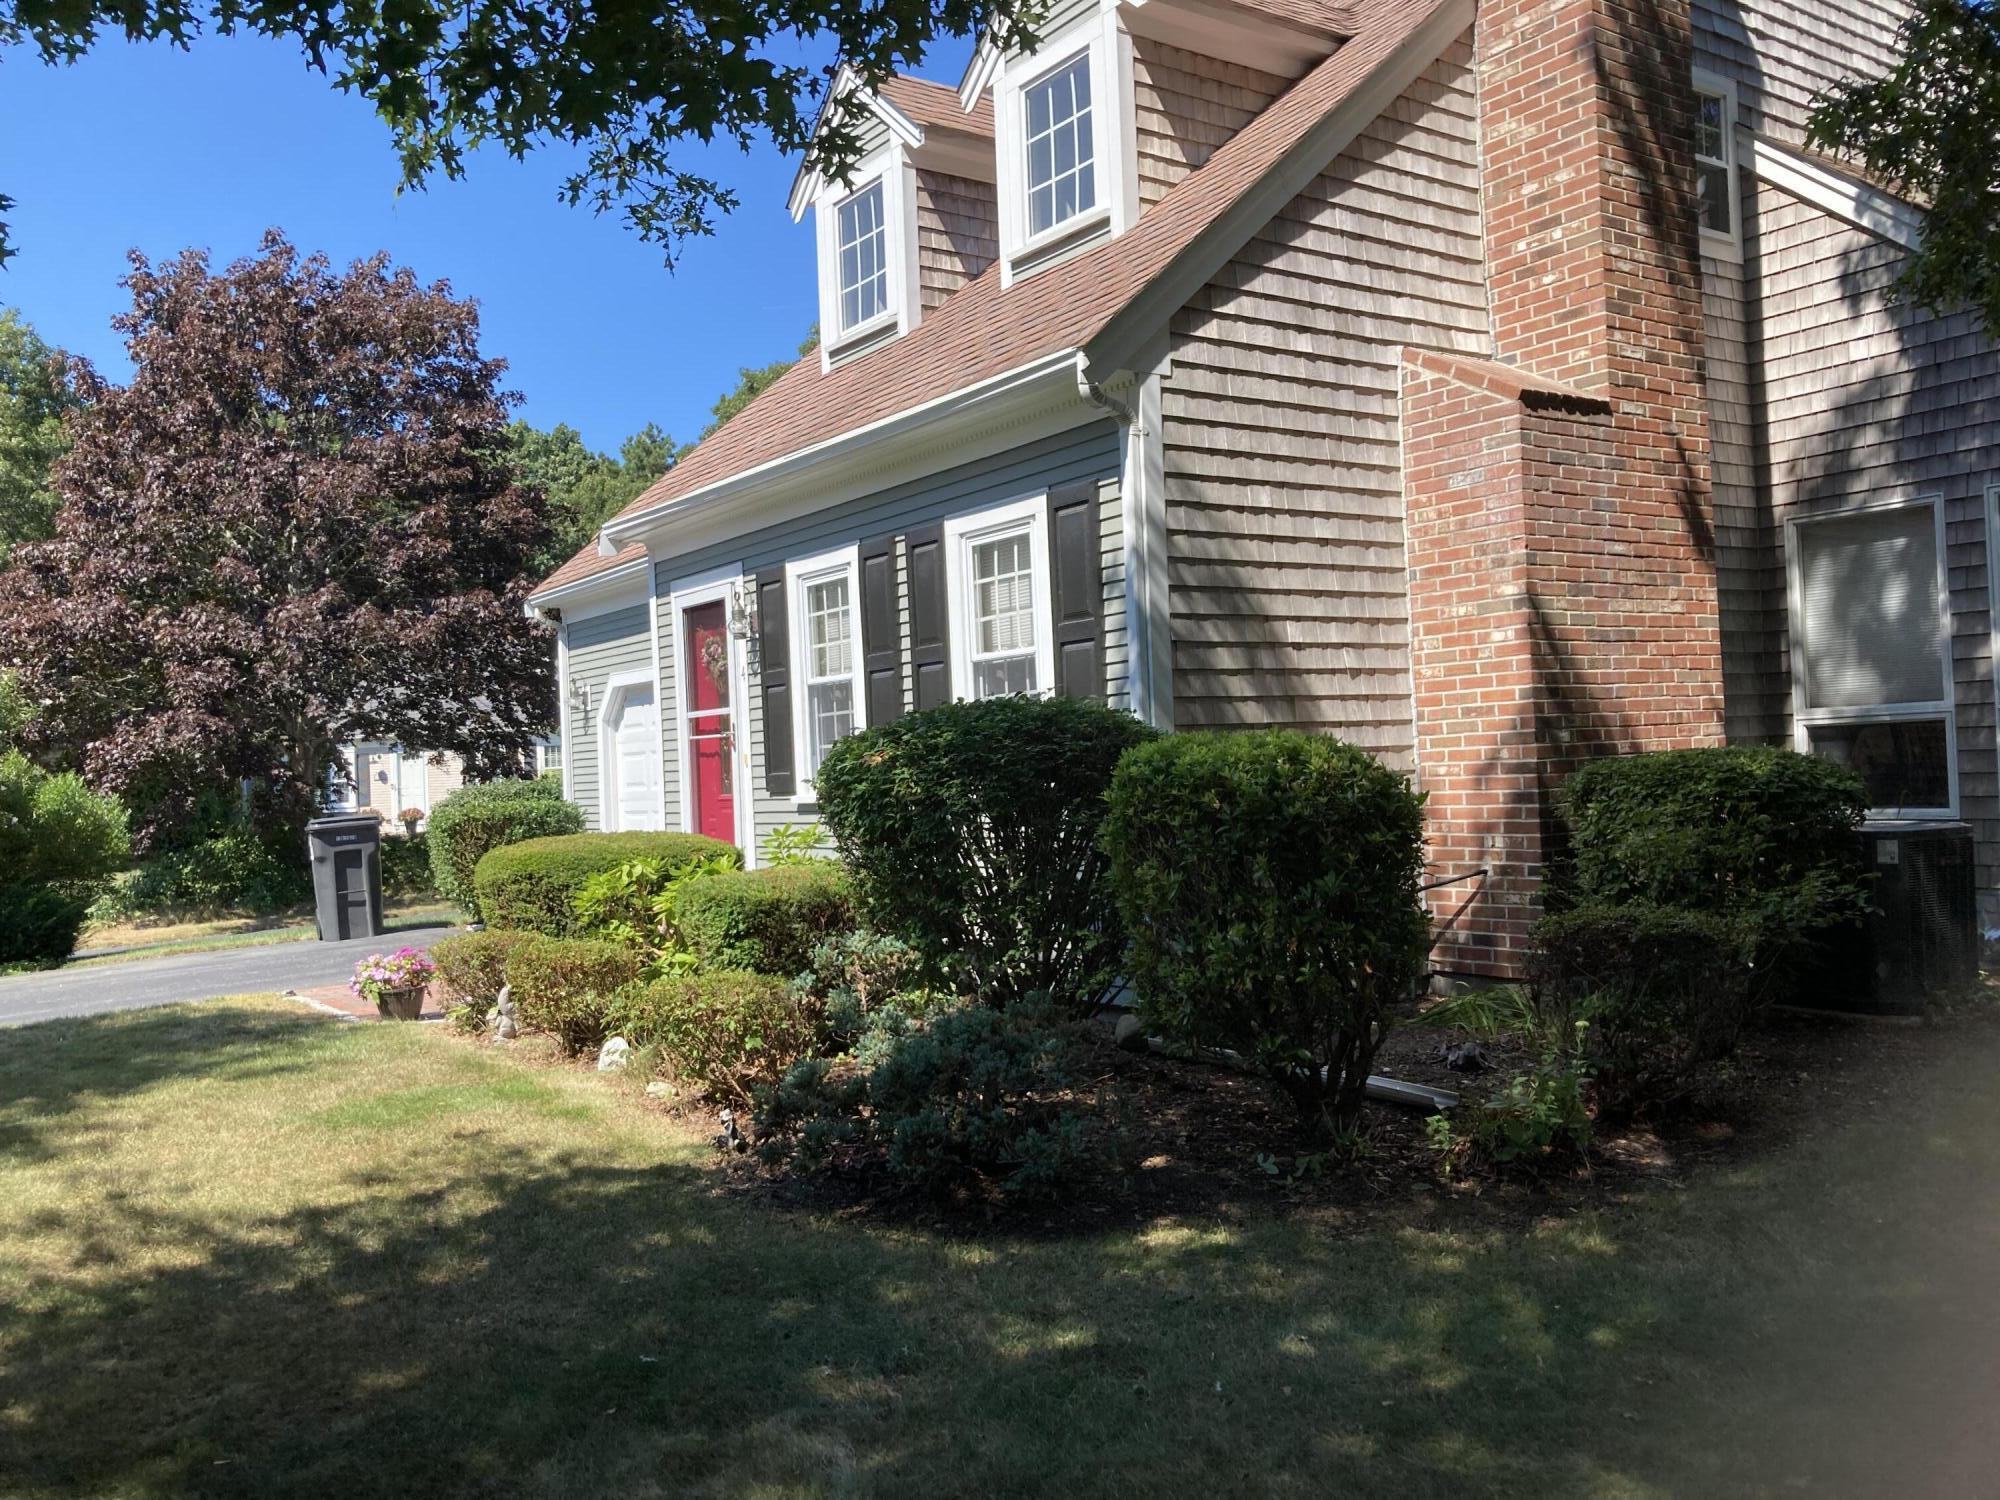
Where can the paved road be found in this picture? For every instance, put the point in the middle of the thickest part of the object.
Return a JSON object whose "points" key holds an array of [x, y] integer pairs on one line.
{"points": [[192, 976]]}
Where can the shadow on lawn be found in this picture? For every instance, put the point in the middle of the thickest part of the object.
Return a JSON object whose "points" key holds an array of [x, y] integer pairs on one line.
{"points": [[56, 1069], [549, 1322]]}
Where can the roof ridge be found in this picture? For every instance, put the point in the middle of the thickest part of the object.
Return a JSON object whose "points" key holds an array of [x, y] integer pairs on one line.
{"points": [[982, 330]]}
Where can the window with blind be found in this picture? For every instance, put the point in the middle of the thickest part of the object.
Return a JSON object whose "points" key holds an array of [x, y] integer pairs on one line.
{"points": [[1871, 653]]}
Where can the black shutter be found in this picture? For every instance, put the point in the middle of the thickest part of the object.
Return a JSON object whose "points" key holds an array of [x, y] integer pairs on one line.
{"points": [[881, 632], [930, 634], [1077, 589], [774, 658]]}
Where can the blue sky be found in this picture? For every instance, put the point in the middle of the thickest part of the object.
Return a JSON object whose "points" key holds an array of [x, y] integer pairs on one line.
{"points": [[148, 147]]}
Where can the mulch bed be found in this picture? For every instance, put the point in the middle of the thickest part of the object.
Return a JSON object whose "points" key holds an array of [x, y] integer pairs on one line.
{"points": [[1212, 1144]]}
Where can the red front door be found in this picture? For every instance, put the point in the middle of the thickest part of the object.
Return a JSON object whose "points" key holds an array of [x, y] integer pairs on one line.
{"points": [[711, 734]]}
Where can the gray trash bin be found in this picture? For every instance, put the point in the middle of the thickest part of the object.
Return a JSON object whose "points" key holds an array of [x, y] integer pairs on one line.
{"points": [[347, 876]]}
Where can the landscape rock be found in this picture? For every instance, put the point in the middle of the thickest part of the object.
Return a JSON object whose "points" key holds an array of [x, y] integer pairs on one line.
{"points": [[659, 1089], [1130, 1033], [614, 1054]]}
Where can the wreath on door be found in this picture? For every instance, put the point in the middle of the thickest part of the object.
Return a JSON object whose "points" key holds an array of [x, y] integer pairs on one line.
{"points": [[715, 661]]}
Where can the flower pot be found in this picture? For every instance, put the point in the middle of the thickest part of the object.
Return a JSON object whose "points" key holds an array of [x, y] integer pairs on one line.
{"points": [[401, 1005]]}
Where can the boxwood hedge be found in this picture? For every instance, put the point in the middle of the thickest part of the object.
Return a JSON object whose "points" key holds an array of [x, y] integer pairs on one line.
{"points": [[531, 886], [1269, 882], [475, 820], [768, 921]]}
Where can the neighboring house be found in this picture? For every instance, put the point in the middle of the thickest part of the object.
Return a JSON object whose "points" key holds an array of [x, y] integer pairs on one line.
{"points": [[1491, 384], [389, 780]]}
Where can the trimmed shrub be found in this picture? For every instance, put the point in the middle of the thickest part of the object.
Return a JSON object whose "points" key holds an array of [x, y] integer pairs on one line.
{"points": [[477, 819], [971, 831], [406, 868], [728, 1031], [973, 1097], [59, 843], [473, 965], [1664, 992], [633, 905], [38, 924], [564, 986], [1754, 834], [531, 886], [1269, 882], [768, 920]]}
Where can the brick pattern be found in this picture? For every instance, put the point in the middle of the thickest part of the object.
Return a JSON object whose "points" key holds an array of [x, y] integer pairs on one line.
{"points": [[1563, 600]]}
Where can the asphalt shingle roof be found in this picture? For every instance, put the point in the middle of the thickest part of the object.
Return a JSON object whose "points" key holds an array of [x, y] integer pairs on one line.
{"points": [[983, 330]]}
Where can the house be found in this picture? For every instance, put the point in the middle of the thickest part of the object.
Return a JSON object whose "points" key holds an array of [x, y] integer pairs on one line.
{"points": [[1493, 383], [390, 779]]}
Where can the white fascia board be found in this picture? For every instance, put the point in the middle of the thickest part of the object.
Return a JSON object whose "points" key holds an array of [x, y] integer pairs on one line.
{"points": [[590, 594], [985, 62], [911, 434], [1858, 203], [810, 182], [1116, 345]]}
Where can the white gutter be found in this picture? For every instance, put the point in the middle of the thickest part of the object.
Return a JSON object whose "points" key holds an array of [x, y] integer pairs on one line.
{"points": [[624, 572], [1058, 370]]}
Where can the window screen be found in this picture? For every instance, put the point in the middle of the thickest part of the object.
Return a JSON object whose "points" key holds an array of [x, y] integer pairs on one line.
{"points": [[1870, 632]]}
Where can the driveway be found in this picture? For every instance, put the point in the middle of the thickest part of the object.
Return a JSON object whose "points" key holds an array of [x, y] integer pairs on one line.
{"points": [[193, 976]]}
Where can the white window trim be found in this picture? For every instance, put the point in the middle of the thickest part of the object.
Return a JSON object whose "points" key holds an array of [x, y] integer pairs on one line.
{"points": [[612, 701], [1113, 137], [706, 588], [1713, 241], [892, 167], [798, 574], [960, 533], [562, 705], [1805, 718]]}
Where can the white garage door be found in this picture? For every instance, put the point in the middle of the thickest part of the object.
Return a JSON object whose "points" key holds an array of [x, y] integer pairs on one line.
{"points": [[636, 758]]}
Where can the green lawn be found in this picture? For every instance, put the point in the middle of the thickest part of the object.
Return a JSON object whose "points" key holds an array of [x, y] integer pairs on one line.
{"points": [[245, 1251]]}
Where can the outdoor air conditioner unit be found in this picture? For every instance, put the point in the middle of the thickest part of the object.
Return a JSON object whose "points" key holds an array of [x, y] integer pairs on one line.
{"points": [[1923, 937]]}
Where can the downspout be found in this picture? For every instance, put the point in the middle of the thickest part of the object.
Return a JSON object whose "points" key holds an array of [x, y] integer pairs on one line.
{"points": [[1142, 487]]}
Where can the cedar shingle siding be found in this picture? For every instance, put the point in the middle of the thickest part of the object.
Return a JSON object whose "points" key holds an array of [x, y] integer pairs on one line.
{"points": [[958, 233], [1824, 394], [1284, 486]]}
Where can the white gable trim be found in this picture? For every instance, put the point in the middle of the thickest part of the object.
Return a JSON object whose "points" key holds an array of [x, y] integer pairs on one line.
{"points": [[1118, 342], [810, 183], [1858, 203]]}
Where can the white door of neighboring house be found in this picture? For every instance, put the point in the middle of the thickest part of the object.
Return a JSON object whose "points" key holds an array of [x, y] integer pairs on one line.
{"points": [[635, 759]]}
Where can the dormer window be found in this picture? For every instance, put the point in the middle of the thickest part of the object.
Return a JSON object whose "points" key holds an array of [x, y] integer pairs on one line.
{"points": [[1062, 165], [863, 232], [867, 255], [1063, 122]]}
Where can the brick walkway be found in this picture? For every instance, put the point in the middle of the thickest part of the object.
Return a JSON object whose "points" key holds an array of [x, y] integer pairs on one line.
{"points": [[340, 1000]]}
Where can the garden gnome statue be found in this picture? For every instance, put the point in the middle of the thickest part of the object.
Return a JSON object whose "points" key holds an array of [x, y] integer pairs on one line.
{"points": [[510, 1023]]}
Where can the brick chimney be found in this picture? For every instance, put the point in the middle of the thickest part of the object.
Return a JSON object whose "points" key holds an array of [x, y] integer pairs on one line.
{"points": [[1561, 545]]}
